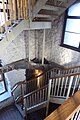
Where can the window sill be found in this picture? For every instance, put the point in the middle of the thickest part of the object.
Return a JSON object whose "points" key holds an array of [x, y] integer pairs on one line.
{"points": [[70, 47]]}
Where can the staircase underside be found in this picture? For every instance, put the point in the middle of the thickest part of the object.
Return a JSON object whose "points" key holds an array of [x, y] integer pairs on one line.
{"points": [[49, 10]]}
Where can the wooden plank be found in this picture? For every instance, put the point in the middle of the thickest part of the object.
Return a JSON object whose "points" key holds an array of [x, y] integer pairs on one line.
{"points": [[26, 9], [21, 9], [18, 8], [14, 10], [67, 109], [11, 9]]}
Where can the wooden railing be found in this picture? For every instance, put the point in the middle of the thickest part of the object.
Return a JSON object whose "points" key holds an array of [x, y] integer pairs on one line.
{"points": [[33, 101], [36, 97], [69, 110], [33, 84], [62, 87], [61, 80]]}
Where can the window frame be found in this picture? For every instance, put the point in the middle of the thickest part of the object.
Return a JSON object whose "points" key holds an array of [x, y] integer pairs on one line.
{"points": [[3, 80], [63, 32]]}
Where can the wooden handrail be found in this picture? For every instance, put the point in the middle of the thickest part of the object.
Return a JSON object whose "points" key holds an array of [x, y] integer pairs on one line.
{"points": [[71, 68], [67, 109], [70, 116], [16, 86]]}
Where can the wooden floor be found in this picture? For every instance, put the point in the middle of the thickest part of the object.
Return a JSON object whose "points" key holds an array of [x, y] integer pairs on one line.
{"points": [[10, 113]]}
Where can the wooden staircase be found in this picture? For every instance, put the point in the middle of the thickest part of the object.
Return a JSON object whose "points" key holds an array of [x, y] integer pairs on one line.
{"points": [[69, 110], [48, 10], [32, 11], [62, 85]]}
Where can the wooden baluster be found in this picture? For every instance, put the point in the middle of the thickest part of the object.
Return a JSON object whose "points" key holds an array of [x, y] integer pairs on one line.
{"points": [[55, 86], [18, 7], [62, 86], [74, 87], [14, 10], [26, 8], [65, 86], [40, 96], [58, 88], [52, 87], [48, 98], [70, 84], [11, 9], [21, 9], [25, 108]]}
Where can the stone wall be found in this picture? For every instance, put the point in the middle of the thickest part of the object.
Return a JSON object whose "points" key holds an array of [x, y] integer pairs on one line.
{"points": [[53, 51]]}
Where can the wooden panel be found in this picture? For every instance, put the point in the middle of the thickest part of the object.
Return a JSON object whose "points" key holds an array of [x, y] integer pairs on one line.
{"points": [[26, 9], [66, 110], [14, 9], [18, 8], [21, 9], [11, 9]]}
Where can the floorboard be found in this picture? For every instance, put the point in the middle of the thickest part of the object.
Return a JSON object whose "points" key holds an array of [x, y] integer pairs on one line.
{"points": [[10, 113]]}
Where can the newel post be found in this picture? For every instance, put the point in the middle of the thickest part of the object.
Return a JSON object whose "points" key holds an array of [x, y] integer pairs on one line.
{"points": [[48, 98]]}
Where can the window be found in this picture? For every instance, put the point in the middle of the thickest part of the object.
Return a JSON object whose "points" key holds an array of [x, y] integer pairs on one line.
{"points": [[2, 84], [71, 31], [5, 87]]}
